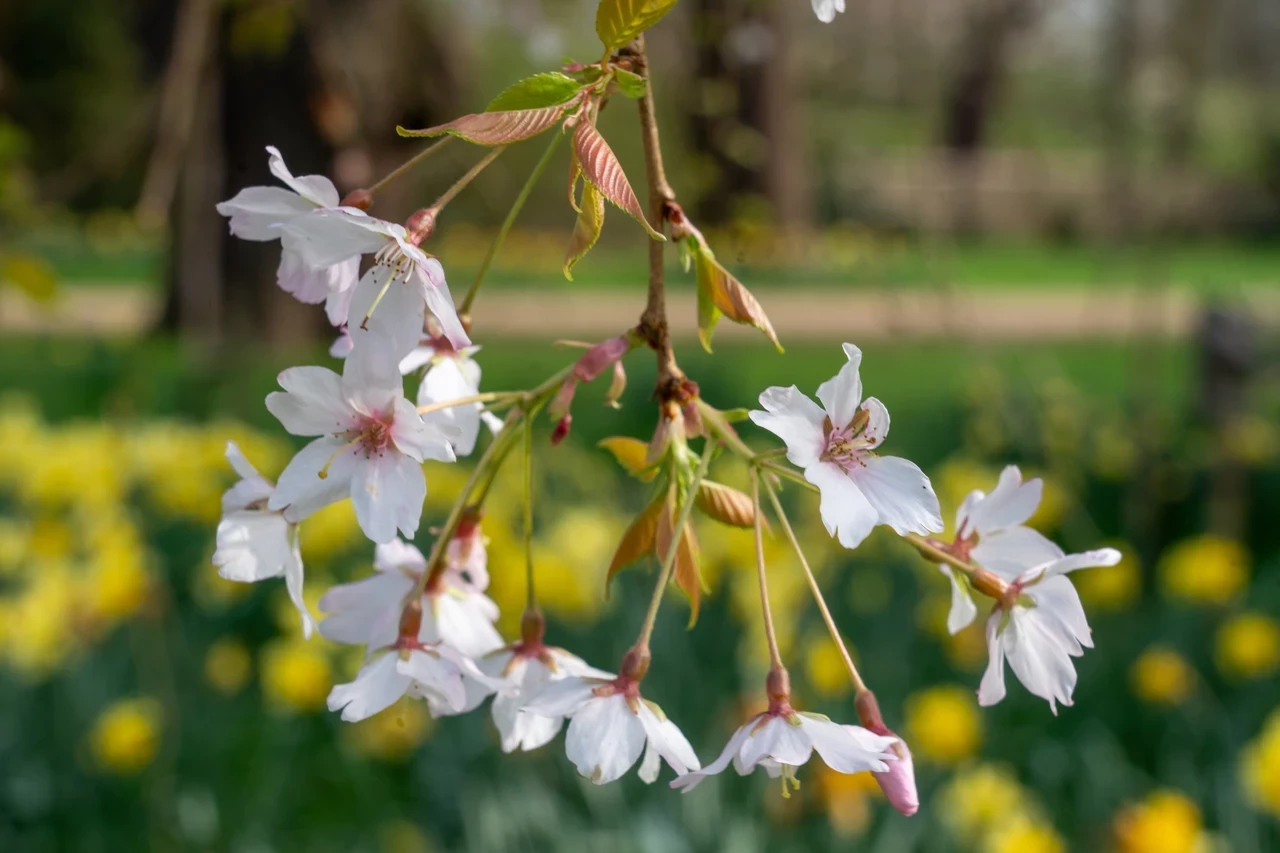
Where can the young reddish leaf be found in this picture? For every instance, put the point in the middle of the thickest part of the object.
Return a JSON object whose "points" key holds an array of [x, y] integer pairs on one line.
{"points": [[638, 540], [719, 293], [726, 504], [586, 231], [618, 22], [541, 90], [629, 83], [575, 172], [601, 167], [497, 128], [687, 574], [630, 454]]}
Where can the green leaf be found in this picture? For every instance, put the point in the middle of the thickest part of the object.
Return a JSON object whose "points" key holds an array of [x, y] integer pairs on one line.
{"points": [[618, 22], [586, 231], [720, 294], [601, 167], [629, 83], [541, 90]]}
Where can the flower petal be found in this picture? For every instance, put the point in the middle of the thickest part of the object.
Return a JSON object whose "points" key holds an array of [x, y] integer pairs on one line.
{"points": [[991, 690], [1010, 551], [563, 698], [845, 510], [841, 394], [258, 213], [901, 494], [365, 612], [429, 276], [435, 677], [777, 739], [668, 741], [963, 610], [316, 189], [376, 687], [605, 739], [400, 310], [795, 419], [388, 490], [840, 750], [399, 556], [688, 781], [1009, 504], [302, 491], [252, 546], [312, 402], [877, 428], [323, 238], [443, 383], [293, 579], [419, 439]]}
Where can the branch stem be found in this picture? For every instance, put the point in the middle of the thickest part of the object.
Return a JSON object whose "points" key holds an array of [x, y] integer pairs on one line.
{"points": [[531, 603], [484, 397], [404, 167], [653, 322], [516, 206], [775, 658], [461, 184], [669, 559], [858, 684]]}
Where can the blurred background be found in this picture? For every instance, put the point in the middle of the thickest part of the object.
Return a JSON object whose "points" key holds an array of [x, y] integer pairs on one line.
{"points": [[1053, 227]]}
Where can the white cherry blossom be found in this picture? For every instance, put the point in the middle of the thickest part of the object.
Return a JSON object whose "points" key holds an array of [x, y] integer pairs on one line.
{"points": [[610, 725], [372, 442], [826, 9], [367, 612], [255, 543], [1039, 626], [782, 739], [451, 375], [260, 214], [836, 448], [436, 672], [521, 673], [991, 531], [402, 283]]}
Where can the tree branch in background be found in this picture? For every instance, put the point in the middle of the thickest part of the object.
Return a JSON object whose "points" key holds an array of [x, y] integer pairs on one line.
{"points": [[192, 42]]}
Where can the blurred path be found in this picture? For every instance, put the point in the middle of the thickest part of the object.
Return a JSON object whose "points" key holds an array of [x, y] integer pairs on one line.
{"points": [[826, 314]]}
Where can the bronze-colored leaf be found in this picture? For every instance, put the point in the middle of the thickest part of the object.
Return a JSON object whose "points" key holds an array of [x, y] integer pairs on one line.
{"points": [[497, 128], [720, 293], [601, 167], [620, 21], [638, 540], [688, 573], [586, 231], [630, 453], [726, 504], [575, 172]]}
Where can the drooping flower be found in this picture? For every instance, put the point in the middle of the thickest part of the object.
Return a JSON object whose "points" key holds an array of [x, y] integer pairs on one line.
{"points": [[991, 531], [836, 448], [454, 611], [1039, 625], [372, 442], [255, 542], [782, 739], [522, 672], [403, 282], [826, 9], [451, 375], [436, 672], [260, 214], [610, 724]]}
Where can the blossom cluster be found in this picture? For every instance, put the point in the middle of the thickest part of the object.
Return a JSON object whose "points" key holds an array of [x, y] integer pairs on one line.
{"points": [[426, 622]]}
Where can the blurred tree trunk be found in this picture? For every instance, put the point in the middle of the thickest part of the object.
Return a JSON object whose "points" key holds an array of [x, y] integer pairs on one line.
{"points": [[1188, 49], [1119, 68], [971, 96], [327, 91], [748, 125]]}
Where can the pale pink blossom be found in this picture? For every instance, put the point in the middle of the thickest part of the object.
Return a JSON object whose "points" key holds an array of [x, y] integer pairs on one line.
{"points": [[450, 375], [521, 672], [836, 448], [372, 442], [260, 214], [1039, 626]]}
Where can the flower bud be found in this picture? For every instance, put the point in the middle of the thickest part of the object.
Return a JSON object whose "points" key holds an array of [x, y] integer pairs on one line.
{"points": [[899, 781], [562, 429], [420, 225], [360, 199], [601, 357]]}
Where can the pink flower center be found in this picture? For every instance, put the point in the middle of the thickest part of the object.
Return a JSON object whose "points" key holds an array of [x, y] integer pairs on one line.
{"points": [[848, 445], [374, 434]]}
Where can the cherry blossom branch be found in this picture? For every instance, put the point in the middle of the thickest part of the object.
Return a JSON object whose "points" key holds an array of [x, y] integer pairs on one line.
{"points": [[775, 658], [404, 167], [461, 184], [983, 580], [858, 684], [483, 397], [640, 650], [653, 322], [465, 308], [531, 596]]}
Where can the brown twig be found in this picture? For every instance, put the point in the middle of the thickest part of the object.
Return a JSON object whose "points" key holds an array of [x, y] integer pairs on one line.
{"points": [[653, 322]]}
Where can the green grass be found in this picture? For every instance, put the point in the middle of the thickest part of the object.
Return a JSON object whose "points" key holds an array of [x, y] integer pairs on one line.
{"points": [[873, 263]]}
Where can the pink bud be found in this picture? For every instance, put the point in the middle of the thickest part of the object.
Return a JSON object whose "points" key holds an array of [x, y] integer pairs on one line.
{"points": [[420, 225], [562, 429], [899, 781], [563, 399], [600, 357], [359, 199]]}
